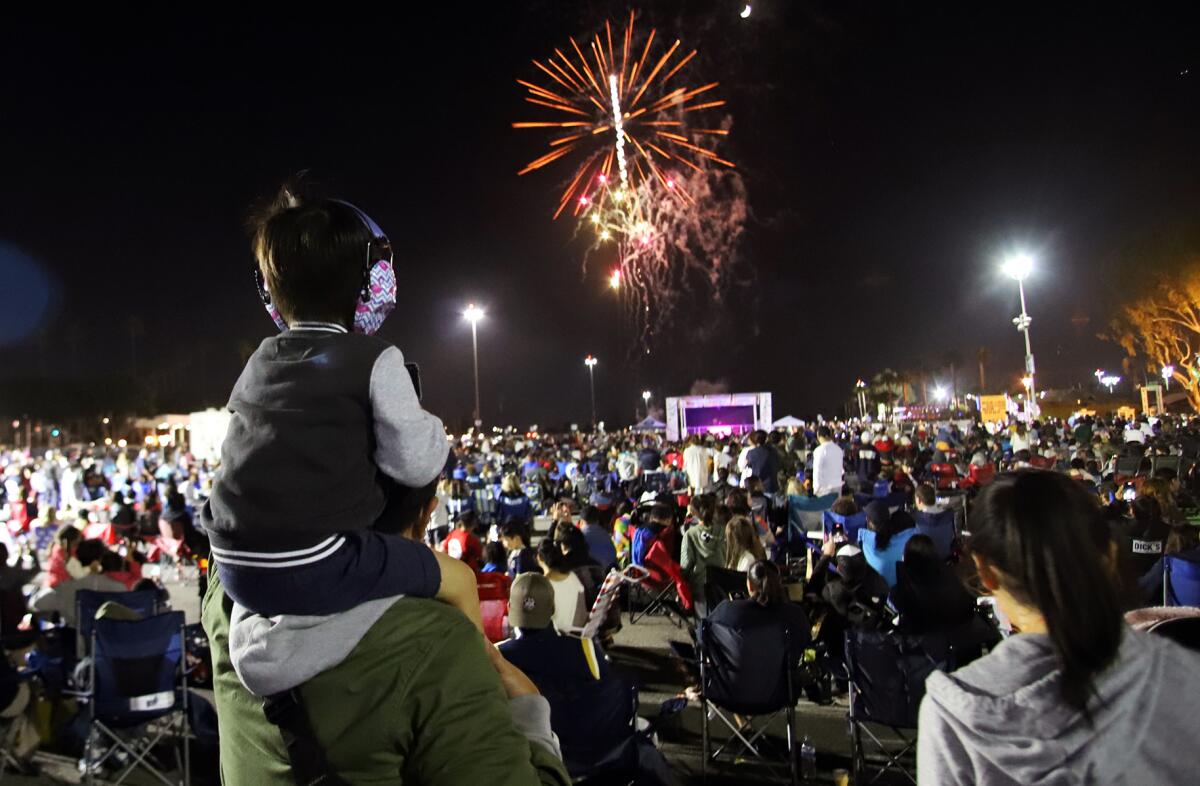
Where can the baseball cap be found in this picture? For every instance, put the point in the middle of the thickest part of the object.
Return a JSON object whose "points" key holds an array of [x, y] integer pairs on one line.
{"points": [[849, 551], [531, 601]]}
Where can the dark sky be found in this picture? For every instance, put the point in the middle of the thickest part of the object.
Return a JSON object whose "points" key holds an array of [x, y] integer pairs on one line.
{"points": [[893, 153]]}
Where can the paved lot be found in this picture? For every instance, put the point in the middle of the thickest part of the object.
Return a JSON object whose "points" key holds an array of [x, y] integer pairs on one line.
{"points": [[642, 652]]}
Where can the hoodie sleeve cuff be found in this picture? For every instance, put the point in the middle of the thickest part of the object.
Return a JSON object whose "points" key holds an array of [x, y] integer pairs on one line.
{"points": [[531, 716]]}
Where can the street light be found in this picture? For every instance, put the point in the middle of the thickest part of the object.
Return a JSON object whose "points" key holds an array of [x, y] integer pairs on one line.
{"points": [[940, 393], [646, 399], [473, 314], [861, 388], [1110, 381], [590, 362], [1167, 373], [1018, 267]]}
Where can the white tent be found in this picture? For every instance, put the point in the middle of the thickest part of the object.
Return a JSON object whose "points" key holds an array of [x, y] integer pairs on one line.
{"points": [[787, 422], [650, 424]]}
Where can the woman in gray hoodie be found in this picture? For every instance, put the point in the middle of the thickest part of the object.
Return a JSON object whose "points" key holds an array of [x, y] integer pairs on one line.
{"points": [[1075, 697]]}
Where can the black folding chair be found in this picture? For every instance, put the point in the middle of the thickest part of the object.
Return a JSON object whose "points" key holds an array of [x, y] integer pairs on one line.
{"points": [[722, 584], [887, 682], [137, 696], [748, 676]]}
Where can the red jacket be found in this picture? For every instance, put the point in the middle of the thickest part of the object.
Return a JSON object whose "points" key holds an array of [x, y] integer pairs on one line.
{"points": [[464, 546]]}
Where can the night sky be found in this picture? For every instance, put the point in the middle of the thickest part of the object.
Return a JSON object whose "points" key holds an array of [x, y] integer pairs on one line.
{"points": [[893, 154]]}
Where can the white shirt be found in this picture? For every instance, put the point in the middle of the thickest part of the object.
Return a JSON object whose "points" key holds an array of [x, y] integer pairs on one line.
{"points": [[721, 459], [827, 469], [568, 603], [746, 561], [695, 464], [1019, 442]]}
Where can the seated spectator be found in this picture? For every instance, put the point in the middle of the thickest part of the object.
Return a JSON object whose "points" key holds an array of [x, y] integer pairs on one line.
{"points": [[521, 558], [703, 546], [743, 547], [599, 538], [1183, 541], [570, 610], [884, 538], [591, 709], [495, 560], [1141, 542], [1074, 696], [513, 504], [13, 578], [927, 500], [660, 520], [579, 561], [928, 596], [844, 506], [621, 535], [767, 602], [61, 599], [61, 554], [462, 543], [121, 515], [20, 739], [126, 570], [855, 592]]}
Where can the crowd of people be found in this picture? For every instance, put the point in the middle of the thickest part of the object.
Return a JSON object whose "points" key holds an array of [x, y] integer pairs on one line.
{"points": [[569, 508], [360, 555]]}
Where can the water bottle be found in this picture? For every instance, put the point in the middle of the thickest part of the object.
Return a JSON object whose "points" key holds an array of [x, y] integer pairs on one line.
{"points": [[808, 760]]}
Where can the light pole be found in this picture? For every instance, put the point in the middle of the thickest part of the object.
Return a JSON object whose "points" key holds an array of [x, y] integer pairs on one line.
{"points": [[1110, 381], [1018, 267], [646, 400], [861, 389], [473, 314], [590, 362]]}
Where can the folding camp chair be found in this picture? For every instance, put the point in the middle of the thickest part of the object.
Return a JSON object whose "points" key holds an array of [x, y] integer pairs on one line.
{"points": [[1173, 463], [940, 529], [137, 696], [606, 600], [665, 587], [747, 679], [493, 604], [722, 584], [1127, 467], [1181, 581], [887, 682], [850, 525], [88, 602]]}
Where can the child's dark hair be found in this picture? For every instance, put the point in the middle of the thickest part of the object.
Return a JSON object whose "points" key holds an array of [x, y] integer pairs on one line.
{"points": [[312, 254], [513, 529], [494, 553], [550, 553], [1048, 539]]}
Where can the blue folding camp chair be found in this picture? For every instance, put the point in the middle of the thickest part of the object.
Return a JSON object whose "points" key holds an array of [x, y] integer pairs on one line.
{"points": [[1181, 581], [940, 529], [805, 513], [137, 697], [848, 524], [88, 602]]}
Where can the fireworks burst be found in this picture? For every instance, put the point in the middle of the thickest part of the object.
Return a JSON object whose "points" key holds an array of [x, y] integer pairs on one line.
{"points": [[666, 249], [647, 181], [619, 98]]}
